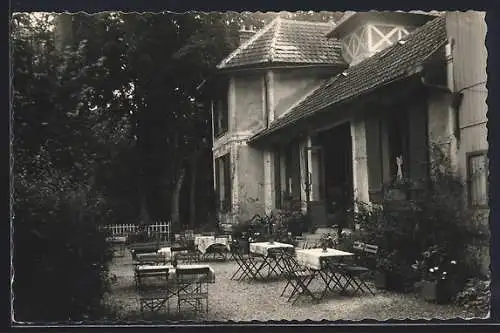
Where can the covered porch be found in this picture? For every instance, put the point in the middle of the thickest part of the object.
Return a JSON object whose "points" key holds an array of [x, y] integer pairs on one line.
{"points": [[347, 153]]}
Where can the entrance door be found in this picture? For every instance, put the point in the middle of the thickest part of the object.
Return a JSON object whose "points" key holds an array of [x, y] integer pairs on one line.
{"points": [[314, 184]]}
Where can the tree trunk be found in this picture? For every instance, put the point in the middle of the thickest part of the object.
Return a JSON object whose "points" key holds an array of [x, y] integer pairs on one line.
{"points": [[192, 192], [145, 218], [175, 213]]}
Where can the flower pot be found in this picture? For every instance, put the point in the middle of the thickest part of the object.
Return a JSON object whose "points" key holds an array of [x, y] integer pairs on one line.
{"points": [[436, 291], [381, 280]]}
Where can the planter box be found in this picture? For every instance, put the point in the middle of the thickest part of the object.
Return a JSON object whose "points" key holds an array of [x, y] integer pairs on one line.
{"points": [[439, 291]]}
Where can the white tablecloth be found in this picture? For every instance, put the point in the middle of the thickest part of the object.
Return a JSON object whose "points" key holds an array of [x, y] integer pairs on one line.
{"points": [[312, 257], [167, 252], [204, 242], [262, 247]]}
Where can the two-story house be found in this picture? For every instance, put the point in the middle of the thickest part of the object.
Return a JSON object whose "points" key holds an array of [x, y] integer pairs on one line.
{"points": [[323, 115]]}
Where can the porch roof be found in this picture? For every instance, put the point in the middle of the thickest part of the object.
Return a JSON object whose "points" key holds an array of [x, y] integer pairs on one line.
{"points": [[396, 62]]}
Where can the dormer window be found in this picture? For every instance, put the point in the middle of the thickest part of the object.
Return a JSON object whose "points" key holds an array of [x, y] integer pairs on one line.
{"points": [[364, 34], [370, 39]]}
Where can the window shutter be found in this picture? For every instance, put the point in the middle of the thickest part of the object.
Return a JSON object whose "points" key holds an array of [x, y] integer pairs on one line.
{"points": [[374, 156]]}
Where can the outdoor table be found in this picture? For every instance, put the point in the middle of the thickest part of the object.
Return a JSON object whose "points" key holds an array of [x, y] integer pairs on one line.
{"points": [[166, 252], [218, 245], [317, 259], [119, 242], [175, 280], [152, 258], [272, 252], [168, 271]]}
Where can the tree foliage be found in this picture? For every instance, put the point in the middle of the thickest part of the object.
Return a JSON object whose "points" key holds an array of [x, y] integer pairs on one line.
{"points": [[108, 127]]}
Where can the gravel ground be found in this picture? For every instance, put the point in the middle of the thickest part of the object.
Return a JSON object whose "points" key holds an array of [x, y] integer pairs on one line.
{"points": [[251, 300]]}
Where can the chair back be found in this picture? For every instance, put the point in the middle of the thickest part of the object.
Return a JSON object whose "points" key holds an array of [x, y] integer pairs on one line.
{"points": [[371, 249], [370, 255], [358, 246], [187, 274]]}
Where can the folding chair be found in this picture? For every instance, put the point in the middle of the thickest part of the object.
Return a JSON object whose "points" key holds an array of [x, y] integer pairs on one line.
{"points": [[187, 254], [355, 273], [298, 278], [149, 259], [192, 288], [248, 265], [155, 293]]}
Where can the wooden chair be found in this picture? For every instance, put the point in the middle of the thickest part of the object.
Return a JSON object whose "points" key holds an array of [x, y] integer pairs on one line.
{"points": [[299, 278], [155, 298], [192, 288], [246, 262], [355, 272]]}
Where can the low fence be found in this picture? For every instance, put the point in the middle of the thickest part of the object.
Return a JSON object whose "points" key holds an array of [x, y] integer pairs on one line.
{"points": [[160, 228]]}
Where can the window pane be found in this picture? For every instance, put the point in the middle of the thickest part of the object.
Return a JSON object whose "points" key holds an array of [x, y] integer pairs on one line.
{"points": [[478, 182]]}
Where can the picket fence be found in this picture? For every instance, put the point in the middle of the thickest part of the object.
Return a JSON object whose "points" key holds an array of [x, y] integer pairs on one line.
{"points": [[161, 228]]}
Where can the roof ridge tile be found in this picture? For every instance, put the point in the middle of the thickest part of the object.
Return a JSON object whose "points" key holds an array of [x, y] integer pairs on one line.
{"points": [[272, 47]]}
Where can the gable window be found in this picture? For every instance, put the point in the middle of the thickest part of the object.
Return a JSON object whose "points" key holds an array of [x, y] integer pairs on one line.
{"points": [[223, 183], [477, 179], [221, 110]]}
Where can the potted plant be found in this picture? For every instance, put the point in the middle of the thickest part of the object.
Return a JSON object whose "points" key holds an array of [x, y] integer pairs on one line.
{"points": [[384, 269], [437, 275]]}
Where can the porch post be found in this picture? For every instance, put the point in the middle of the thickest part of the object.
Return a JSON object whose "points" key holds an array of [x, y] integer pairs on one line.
{"points": [[268, 181], [303, 172], [359, 162]]}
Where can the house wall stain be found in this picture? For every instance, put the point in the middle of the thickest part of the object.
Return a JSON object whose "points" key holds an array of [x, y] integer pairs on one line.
{"points": [[248, 109], [250, 169], [291, 86]]}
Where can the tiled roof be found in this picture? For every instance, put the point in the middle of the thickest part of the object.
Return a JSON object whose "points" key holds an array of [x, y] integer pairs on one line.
{"points": [[388, 65], [289, 42]]}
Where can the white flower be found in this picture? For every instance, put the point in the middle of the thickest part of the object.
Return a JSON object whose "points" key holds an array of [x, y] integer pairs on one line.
{"points": [[453, 262], [436, 268], [431, 270]]}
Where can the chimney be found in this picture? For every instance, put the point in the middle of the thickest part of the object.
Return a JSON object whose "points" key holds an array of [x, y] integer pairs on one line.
{"points": [[246, 33]]}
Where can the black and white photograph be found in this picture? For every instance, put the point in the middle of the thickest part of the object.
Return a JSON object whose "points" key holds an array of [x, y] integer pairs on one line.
{"points": [[239, 166]]}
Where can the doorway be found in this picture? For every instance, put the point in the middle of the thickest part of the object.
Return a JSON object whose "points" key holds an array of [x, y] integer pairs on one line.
{"points": [[330, 174]]}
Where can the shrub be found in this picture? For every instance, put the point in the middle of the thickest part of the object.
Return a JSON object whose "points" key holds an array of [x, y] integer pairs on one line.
{"points": [[60, 256], [475, 296], [279, 225], [432, 214]]}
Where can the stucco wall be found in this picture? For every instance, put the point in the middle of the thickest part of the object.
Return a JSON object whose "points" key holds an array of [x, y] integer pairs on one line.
{"points": [[289, 87], [439, 118], [250, 171], [247, 113], [468, 30]]}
